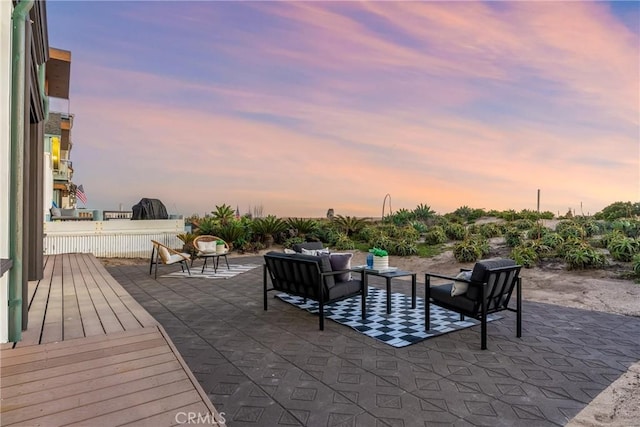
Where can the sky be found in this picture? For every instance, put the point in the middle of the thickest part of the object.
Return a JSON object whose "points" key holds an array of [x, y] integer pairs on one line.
{"points": [[297, 107]]}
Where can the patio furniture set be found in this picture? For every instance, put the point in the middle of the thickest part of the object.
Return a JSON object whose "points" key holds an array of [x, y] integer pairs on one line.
{"points": [[476, 293], [206, 247]]}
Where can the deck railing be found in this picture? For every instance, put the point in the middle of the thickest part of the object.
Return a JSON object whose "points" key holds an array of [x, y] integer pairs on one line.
{"points": [[111, 239]]}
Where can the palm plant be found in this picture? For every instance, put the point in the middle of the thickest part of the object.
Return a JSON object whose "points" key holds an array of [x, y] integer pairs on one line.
{"points": [[223, 214], [303, 226], [349, 225], [423, 212], [267, 227]]}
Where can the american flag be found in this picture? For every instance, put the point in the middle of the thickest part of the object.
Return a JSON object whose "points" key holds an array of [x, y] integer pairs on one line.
{"points": [[80, 194]]}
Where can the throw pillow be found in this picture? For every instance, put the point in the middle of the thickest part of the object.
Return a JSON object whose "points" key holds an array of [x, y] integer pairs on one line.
{"points": [[316, 252], [207, 247], [340, 261], [289, 251], [56, 212], [459, 288]]}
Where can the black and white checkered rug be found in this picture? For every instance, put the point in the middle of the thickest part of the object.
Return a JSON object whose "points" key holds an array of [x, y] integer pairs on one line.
{"points": [[222, 272], [403, 327]]}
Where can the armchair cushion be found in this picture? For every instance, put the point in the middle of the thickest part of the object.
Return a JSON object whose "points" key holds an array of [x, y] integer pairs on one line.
{"points": [[460, 288]]}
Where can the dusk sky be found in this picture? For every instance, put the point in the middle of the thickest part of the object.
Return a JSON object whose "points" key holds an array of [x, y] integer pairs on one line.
{"points": [[299, 107]]}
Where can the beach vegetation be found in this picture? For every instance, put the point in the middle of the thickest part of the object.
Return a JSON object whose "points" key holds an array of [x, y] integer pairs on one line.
{"points": [[423, 213], [525, 255], [466, 251], [232, 232], [349, 225], [404, 247], [623, 248], [435, 235], [636, 265], [619, 210], [400, 218], [455, 231], [420, 227], [344, 242], [579, 256], [513, 237], [223, 213], [267, 228], [288, 244], [303, 226]]}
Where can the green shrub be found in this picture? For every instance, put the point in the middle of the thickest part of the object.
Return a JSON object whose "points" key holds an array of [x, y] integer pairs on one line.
{"points": [[523, 224], [435, 235], [420, 227], [573, 230], [513, 237], [636, 265], [292, 241], [455, 231], [490, 230], [583, 256], [623, 248], [525, 256], [537, 232], [552, 240], [404, 247], [481, 243], [303, 226], [466, 251], [344, 242], [381, 241]]}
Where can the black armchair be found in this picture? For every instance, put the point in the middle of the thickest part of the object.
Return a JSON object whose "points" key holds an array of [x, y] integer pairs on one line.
{"points": [[489, 288]]}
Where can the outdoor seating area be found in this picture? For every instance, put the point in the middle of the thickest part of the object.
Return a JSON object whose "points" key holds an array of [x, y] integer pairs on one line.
{"points": [[275, 367]]}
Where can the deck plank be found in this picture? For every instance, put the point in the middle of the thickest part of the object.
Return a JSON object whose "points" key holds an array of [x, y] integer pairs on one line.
{"points": [[90, 317], [72, 321], [126, 319], [141, 315], [52, 328]]}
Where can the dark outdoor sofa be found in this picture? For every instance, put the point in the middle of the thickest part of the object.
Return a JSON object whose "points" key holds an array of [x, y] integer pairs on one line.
{"points": [[312, 277], [489, 288]]}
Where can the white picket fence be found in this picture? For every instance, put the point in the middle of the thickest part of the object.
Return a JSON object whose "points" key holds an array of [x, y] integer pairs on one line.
{"points": [[111, 239]]}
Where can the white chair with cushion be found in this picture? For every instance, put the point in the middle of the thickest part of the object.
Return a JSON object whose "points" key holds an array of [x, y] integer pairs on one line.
{"points": [[165, 255]]}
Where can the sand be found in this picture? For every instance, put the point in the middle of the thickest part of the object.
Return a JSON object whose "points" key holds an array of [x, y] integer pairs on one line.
{"points": [[599, 290]]}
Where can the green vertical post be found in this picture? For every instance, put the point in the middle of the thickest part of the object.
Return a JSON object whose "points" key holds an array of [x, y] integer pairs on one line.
{"points": [[16, 191]]}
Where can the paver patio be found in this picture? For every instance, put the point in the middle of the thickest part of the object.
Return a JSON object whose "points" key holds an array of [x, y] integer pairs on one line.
{"points": [[276, 368]]}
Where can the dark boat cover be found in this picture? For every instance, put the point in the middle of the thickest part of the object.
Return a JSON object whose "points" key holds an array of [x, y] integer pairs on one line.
{"points": [[149, 209]]}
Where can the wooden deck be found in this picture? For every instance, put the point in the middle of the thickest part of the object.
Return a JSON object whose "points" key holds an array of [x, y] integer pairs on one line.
{"points": [[93, 356]]}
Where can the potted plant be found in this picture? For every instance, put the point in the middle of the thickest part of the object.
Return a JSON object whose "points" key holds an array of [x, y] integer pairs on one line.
{"points": [[187, 240], [220, 247], [380, 259]]}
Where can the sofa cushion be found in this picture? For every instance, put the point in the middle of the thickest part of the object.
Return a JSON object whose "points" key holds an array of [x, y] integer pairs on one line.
{"points": [[341, 261]]}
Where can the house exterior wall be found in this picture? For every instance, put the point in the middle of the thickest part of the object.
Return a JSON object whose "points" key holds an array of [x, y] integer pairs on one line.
{"points": [[6, 8]]}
